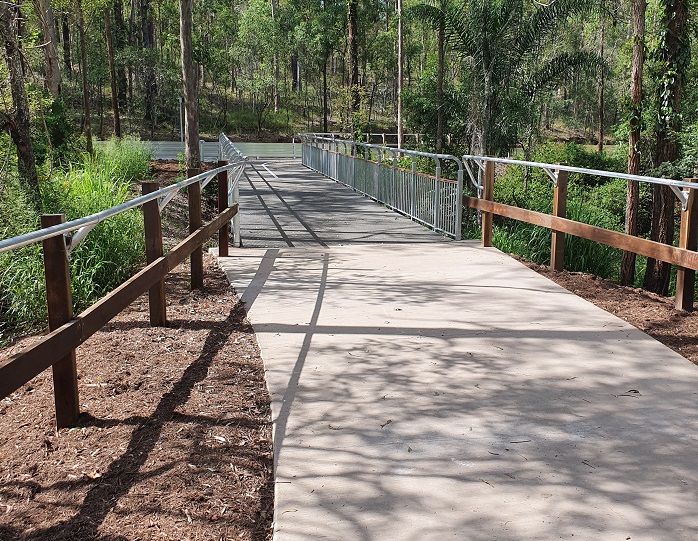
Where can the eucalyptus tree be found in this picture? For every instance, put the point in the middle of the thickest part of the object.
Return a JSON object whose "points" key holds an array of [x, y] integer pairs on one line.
{"points": [[189, 86], [673, 56], [501, 41], [17, 120], [52, 71], [632, 200]]}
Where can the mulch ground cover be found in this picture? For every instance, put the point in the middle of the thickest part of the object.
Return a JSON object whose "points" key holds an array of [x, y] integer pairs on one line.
{"points": [[174, 440]]}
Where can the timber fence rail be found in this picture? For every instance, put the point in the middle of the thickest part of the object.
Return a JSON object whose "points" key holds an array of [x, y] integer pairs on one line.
{"points": [[436, 202], [684, 256], [66, 333]]}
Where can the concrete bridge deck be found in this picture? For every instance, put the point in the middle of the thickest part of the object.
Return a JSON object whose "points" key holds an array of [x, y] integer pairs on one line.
{"points": [[431, 389]]}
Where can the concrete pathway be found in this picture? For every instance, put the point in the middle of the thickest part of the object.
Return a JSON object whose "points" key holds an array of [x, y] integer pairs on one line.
{"points": [[440, 390]]}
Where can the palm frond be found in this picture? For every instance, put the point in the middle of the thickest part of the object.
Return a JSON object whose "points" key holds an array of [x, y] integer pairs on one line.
{"points": [[561, 68], [547, 19]]}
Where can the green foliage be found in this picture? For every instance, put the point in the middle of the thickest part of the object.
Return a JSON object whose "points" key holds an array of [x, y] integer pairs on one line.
{"points": [[103, 260], [503, 41], [594, 200]]}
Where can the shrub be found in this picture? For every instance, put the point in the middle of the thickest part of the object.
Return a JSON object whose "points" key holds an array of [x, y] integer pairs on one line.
{"points": [[104, 259]]}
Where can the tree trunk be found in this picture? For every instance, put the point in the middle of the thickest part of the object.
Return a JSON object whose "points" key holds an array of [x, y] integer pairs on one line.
{"points": [[119, 39], [189, 86], [275, 60], [673, 52], [149, 83], [112, 73], [48, 29], [324, 95], [67, 57], [632, 201], [18, 121], [353, 46], [440, 40], [400, 60], [601, 86], [83, 68]]}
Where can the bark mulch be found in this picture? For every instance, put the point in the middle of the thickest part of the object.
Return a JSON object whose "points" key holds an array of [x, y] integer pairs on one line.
{"points": [[174, 439]]}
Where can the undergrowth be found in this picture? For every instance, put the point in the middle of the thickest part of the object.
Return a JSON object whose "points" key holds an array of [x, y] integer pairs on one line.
{"points": [[592, 200], [104, 259]]}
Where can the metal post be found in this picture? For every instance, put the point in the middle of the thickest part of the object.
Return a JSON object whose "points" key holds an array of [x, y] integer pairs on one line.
{"points": [[237, 238], [223, 232], [437, 193], [685, 278], [197, 256], [557, 247], [487, 195], [60, 311], [154, 250], [459, 206]]}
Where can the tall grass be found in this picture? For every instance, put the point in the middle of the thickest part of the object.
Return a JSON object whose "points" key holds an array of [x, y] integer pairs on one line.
{"points": [[103, 260]]}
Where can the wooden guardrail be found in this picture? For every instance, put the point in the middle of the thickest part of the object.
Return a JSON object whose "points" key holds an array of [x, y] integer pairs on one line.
{"points": [[57, 349], [684, 256]]}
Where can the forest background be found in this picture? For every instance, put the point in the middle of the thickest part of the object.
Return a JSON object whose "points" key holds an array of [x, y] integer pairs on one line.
{"points": [[607, 84]]}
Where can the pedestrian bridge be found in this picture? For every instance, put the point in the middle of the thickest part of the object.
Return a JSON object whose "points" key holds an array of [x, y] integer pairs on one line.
{"points": [[422, 388], [428, 389]]}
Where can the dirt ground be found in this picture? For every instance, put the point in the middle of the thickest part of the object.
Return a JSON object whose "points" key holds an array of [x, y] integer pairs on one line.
{"points": [[174, 441]]}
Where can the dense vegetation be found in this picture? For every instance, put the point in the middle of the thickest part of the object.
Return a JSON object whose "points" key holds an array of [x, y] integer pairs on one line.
{"points": [[496, 76], [106, 257]]}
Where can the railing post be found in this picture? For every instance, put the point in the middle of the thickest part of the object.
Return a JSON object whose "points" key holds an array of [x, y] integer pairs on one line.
{"points": [[224, 232], [197, 256], [557, 247], [154, 250], [686, 278], [60, 311], [487, 195], [237, 238], [458, 233]]}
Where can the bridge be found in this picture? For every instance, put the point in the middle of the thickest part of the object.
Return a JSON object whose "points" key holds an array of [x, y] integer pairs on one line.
{"points": [[424, 387]]}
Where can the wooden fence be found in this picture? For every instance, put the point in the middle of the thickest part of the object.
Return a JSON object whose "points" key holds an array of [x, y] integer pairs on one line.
{"points": [[684, 256], [66, 333]]}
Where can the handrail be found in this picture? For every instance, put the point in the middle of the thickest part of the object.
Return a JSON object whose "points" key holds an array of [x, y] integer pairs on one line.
{"points": [[430, 200], [93, 219], [677, 186], [57, 349]]}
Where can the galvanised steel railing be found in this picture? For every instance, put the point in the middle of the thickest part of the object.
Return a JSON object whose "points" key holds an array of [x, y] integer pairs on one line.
{"points": [[76, 230], [374, 171]]}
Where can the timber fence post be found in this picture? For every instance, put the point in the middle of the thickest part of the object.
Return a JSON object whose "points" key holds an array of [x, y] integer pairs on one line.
{"points": [[487, 195], [557, 247], [686, 278], [224, 232], [197, 256], [153, 251], [60, 311]]}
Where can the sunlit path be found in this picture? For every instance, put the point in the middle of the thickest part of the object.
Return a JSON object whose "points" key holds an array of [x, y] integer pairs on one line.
{"points": [[431, 389]]}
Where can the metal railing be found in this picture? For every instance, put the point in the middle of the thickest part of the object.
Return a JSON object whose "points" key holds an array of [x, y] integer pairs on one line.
{"points": [[374, 171], [57, 349], [679, 187], [76, 230]]}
